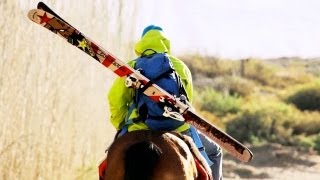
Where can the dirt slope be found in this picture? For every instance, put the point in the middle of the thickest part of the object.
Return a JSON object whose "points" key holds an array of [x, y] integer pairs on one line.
{"points": [[274, 161]]}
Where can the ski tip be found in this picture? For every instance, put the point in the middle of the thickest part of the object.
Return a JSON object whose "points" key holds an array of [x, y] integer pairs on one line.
{"points": [[245, 155], [32, 14], [248, 156], [40, 5], [39, 16]]}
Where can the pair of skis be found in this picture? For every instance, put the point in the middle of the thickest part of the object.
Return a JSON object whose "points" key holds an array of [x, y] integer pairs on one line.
{"points": [[47, 18]]}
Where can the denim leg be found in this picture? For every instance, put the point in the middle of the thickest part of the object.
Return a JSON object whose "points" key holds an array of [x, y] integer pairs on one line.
{"points": [[214, 152]]}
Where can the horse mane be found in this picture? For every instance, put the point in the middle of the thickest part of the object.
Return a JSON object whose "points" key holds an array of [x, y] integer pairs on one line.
{"points": [[140, 160]]}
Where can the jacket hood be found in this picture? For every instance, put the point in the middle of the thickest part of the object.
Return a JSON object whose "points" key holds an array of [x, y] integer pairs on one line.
{"points": [[155, 40]]}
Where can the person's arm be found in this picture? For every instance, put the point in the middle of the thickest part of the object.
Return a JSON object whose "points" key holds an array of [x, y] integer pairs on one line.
{"points": [[119, 98], [187, 82]]}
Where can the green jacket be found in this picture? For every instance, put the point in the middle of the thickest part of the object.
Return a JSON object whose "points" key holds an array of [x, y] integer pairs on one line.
{"points": [[120, 97]]}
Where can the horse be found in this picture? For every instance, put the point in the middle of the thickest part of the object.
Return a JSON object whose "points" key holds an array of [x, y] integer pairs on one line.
{"points": [[153, 155]]}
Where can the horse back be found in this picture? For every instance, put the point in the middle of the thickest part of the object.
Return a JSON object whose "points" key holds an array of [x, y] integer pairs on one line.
{"points": [[150, 155]]}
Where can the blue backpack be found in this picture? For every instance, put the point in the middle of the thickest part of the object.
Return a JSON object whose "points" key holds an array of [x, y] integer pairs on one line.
{"points": [[158, 69]]}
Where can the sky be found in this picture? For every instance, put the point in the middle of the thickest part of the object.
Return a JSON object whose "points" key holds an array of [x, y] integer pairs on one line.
{"points": [[238, 28], [229, 28]]}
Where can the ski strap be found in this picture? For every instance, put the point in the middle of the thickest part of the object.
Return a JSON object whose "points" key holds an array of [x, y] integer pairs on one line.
{"points": [[153, 81], [197, 141]]}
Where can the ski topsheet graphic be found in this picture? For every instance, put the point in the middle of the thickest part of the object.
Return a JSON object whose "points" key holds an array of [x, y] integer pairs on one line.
{"points": [[174, 107]]}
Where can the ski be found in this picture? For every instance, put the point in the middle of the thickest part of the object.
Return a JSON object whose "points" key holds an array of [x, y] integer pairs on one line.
{"points": [[43, 6], [47, 18]]}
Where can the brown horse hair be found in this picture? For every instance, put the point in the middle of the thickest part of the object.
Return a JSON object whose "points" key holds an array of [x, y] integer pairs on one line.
{"points": [[140, 160]]}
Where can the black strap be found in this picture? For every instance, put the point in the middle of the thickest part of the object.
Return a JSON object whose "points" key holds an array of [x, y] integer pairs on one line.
{"points": [[143, 53], [156, 79], [159, 118], [140, 91], [182, 90]]}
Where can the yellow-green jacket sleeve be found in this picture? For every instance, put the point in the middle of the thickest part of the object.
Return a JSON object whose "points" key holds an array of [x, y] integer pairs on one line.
{"points": [[119, 98], [185, 76]]}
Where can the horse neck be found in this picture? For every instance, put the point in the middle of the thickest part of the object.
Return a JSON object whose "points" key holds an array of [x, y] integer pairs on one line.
{"points": [[140, 160]]}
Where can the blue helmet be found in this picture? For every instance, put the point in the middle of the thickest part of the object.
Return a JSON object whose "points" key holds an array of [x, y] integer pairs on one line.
{"points": [[150, 27]]}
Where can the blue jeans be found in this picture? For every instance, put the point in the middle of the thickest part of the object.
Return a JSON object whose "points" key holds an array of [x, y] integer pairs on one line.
{"points": [[214, 153]]}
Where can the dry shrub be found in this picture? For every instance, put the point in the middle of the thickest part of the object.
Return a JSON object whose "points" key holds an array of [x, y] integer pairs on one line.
{"points": [[268, 74], [271, 121], [306, 97], [210, 66], [234, 85], [53, 109], [217, 103], [306, 123], [274, 121], [287, 78]]}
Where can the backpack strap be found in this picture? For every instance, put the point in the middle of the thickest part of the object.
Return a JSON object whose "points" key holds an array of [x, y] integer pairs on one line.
{"points": [[182, 90], [141, 90], [156, 79], [197, 141], [127, 121], [144, 55]]}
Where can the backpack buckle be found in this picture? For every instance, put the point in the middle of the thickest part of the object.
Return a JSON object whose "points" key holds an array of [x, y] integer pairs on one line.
{"points": [[132, 82], [170, 110]]}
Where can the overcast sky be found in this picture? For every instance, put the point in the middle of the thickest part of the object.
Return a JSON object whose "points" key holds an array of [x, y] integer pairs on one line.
{"points": [[226, 28], [238, 28]]}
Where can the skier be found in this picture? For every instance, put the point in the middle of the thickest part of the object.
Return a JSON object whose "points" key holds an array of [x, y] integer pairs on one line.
{"points": [[129, 114]]}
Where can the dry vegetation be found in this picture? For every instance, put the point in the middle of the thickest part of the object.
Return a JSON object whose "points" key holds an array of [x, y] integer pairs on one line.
{"points": [[273, 105], [53, 109]]}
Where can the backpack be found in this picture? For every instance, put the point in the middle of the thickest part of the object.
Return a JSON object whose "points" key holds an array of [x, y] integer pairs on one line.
{"points": [[158, 69]]}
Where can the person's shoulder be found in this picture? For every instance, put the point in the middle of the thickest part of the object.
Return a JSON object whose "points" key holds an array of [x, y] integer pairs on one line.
{"points": [[132, 63], [177, 61], [173, 57]]}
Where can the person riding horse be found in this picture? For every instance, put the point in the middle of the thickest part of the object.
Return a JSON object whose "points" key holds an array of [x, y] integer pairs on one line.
{"points": [[128, 116]]}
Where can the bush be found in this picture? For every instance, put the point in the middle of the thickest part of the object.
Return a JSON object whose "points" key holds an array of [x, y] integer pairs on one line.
{"points": [[274, 76], [209, 66], [269, 122], [306, 98], [218, 103], [234, 85], [259, 125], [259, 71], [307, 123], [287, 78], [317, 143], [274, 121], [308, 142], [304, 142]]}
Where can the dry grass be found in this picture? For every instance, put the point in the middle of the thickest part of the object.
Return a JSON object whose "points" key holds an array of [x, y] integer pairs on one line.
{"points": [[53, 109]]}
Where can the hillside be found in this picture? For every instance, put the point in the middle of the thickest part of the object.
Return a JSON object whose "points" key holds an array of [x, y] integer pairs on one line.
{"points": [[311, 65], [250, 99]]}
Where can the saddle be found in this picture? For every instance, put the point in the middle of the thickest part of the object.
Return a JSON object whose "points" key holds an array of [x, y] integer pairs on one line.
{"points": [[204, 171]]}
